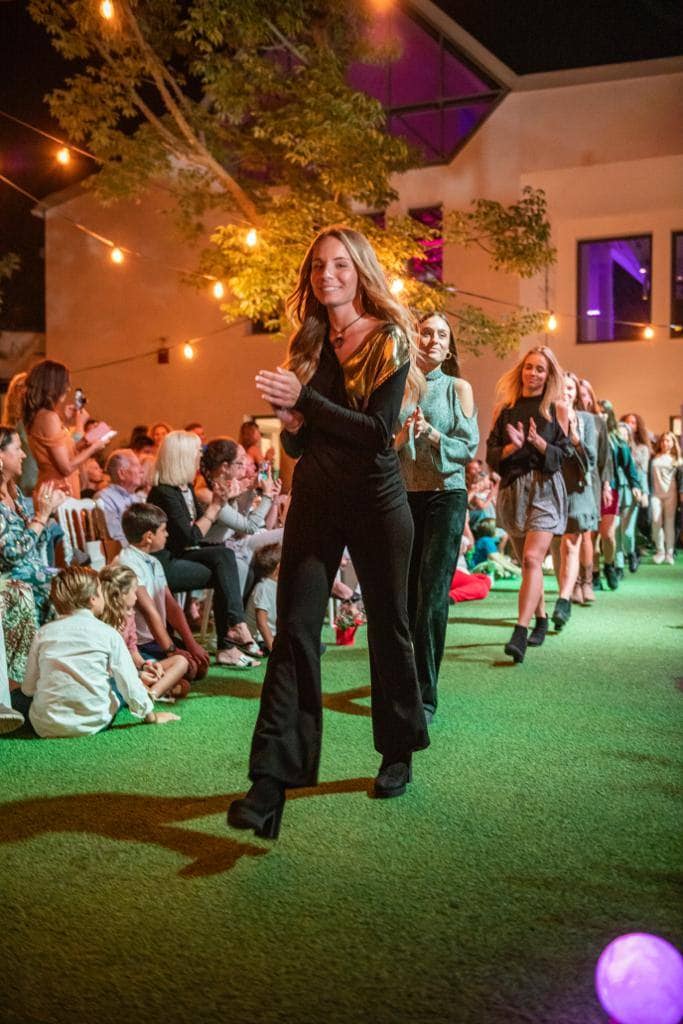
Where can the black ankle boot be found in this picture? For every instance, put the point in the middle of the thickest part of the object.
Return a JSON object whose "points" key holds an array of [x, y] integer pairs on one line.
{"points": [[516, 645], [393, 777], [538, 633], [261, 809], [612, 576], [561, 612]]}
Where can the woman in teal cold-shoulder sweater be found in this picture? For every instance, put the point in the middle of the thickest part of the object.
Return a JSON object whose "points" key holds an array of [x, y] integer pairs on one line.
{"points": [[436, 440]]}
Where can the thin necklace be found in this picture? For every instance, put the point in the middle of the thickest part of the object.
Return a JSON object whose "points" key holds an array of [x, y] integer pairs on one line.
{"points": [[338, 339]]}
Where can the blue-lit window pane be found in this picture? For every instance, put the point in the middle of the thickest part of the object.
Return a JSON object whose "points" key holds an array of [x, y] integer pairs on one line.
{"points": [[429, 268], [425, 90], [677, 285], [614, 288]]}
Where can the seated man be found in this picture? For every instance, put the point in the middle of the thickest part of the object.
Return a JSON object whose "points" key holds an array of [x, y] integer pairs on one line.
{"points": [[125, 471]]}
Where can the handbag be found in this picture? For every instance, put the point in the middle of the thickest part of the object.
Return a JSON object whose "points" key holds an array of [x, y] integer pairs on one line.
{"points": [[575, 471]]}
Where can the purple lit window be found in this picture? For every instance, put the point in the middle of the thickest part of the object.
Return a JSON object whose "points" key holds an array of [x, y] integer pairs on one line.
{"points": [[433, 97], [428, 268], [677, 284], [614, 288]]}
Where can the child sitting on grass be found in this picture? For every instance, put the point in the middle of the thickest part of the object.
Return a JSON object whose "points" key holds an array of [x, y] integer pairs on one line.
{"points": [[163, 679], [144, 527], [79, 671], [260, 614]]}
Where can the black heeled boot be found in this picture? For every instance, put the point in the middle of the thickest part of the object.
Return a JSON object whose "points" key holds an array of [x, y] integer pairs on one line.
{"points": [[561, 612], [261, 809], [538, 633], [393, 777], [516, 645]]}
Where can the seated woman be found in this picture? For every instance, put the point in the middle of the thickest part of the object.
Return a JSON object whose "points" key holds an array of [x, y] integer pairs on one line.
{"points": [[189, 562], [24, 573], [223, 465], [53, 447]]}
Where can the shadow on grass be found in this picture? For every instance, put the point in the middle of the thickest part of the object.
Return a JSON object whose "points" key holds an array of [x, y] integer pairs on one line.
{"points": [[342, 702], [156, 820]]}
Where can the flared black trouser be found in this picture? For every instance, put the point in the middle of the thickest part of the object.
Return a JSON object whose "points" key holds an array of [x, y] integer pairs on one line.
{"points": [[287, 737], [439, 521]]}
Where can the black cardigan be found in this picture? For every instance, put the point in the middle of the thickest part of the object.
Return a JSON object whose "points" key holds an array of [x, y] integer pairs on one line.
{"points": [[182, 533]]}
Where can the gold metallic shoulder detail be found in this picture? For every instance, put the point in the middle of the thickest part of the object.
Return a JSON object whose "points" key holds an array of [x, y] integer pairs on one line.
{"points": [[384, 352]]}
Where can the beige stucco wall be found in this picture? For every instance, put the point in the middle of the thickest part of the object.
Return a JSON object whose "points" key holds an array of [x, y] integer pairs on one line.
{"points": [[608, 154], [98, 312]]}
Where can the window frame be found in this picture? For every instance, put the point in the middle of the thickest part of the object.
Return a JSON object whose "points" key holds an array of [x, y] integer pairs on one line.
{"points": [[580, 317], [678, 335]]}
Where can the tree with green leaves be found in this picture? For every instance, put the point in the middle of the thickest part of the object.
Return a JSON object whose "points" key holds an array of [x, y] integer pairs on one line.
{"points": [[244, 110]]}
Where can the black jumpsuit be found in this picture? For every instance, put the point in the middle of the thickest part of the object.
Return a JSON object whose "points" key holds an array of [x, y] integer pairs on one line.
{"points": [[347, 491]]}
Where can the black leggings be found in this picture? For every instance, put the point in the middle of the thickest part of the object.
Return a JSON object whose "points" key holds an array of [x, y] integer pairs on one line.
{"points": [[286, 743], [439, 519], [200, 568]]}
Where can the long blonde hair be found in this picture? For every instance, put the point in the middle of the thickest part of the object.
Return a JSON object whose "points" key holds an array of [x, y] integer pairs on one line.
{"points": [[176, 463], [116, 581], [509, 387], [375, 299], [676, 450]]}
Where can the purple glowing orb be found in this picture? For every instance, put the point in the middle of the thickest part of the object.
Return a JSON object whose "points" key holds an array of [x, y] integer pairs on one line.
{"points": [[639, 980]]}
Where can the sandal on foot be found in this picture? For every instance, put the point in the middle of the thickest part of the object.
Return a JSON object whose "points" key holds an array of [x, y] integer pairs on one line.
{"points": [[242, 661]]}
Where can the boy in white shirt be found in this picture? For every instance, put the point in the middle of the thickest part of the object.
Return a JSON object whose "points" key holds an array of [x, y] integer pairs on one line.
{"points": [[79, 669], [144, 527], [261, 611]]}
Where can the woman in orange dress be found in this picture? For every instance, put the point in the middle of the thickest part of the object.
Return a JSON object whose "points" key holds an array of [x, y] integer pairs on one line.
{"points": [[53, 447]]}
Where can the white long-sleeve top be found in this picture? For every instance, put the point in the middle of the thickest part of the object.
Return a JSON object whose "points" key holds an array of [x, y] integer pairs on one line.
{"points": [[70, 667], [663, 476]]}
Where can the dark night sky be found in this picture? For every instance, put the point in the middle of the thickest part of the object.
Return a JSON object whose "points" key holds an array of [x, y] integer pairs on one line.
{"points": [[537, 35]]}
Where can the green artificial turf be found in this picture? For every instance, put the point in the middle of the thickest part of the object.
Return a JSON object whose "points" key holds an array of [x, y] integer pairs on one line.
{"points": [[544, 820]]}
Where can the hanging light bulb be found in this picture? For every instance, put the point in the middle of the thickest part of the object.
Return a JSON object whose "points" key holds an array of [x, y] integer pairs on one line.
{"points": [[116, 255], [252, 238], [188, 351], [396, 286], [649, 332], [107, 10], [218, 290], [63, 156], [551, 323]]}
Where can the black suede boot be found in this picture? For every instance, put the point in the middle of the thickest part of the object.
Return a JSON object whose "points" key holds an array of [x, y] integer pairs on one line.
{"points": [[516, 645], [261, 809], [561, 612], [538, 633]]}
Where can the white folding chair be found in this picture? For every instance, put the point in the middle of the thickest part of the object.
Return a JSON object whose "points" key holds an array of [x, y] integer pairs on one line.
{"points": [[75, 516]]}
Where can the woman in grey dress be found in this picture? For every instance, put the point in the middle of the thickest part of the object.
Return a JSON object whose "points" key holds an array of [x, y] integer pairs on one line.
{"points": [[589, 569], [582, 511]]}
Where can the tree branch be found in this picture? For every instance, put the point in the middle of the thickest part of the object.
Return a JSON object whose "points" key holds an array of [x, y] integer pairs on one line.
{"points": [[200, 153]]}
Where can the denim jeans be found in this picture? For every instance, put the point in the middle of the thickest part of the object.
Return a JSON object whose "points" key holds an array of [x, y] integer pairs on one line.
{"points": [[439, 520]]}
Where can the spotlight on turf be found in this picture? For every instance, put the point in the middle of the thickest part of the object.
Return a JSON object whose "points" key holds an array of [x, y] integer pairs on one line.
{"points": [[639, 980]]}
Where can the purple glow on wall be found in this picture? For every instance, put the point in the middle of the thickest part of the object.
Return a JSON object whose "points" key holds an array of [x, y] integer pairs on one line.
{"points": [[432, 97], [639, 980], [614, 277]]}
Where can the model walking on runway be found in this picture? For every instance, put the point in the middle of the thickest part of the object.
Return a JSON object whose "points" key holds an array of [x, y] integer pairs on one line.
{"points": [[351, 362]]}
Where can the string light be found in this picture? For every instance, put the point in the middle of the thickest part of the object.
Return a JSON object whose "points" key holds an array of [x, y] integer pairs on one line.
{"points": [[218, 290], [63, 156], [107, 10], [188, 351], [649, 332], [252, 238], [396, 286], [551, 323], [116, 255]]}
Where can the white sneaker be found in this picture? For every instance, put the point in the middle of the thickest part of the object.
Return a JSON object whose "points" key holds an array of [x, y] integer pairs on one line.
{"points": [[669, 558], [658, 558], [10, 719]]}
